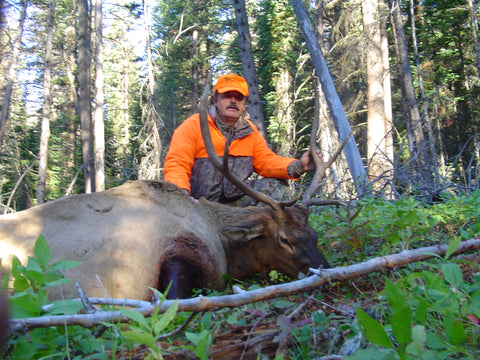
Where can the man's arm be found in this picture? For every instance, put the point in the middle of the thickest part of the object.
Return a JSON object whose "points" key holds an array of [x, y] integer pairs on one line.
{"points": [[268, 164], [181, 155]]}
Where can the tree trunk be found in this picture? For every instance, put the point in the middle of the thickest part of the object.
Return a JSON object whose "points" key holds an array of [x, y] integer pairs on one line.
{"points": [[151, 147], [325, 136], [387, 85], [283, 112], [69, 144], [335, 106], [426, 116], [84, 97], [99, 127], [2, 24], [46, 111], [11, 75], [332, 185], [380, 166], [423, 172], [248, 65], [195, 70]]}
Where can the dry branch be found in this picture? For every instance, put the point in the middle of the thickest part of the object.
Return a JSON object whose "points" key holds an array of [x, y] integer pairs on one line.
{"points": [[198, 304]]}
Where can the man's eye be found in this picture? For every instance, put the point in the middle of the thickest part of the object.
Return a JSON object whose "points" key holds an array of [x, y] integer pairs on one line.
{"points": [[238, 97]]}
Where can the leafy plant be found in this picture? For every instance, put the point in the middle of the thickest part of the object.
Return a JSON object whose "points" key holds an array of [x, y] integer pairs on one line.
{"points": [[29, 286], [146, 330], [376, 226], [31, 283], [432, 316], [202, 342]]}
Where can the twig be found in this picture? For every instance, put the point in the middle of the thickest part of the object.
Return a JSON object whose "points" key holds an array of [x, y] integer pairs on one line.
{"points": [[101, 285], [70, 187], [245, 346], [302, 305], [14, 190], [89, 309], [180, 328], [323, 202]]}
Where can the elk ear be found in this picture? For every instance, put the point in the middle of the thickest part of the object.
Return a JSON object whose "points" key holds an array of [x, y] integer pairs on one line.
{"points": [[244, 233]]}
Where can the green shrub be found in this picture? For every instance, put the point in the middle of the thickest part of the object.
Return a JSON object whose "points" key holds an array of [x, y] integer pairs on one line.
{"points": [[431, 315], [376, 226]]}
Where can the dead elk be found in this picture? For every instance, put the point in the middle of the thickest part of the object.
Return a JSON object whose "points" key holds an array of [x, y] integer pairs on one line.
{"points": [[149, 233]]}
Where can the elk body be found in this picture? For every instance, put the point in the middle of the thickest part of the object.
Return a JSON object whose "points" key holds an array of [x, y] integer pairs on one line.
{"points": [[149, 233]]}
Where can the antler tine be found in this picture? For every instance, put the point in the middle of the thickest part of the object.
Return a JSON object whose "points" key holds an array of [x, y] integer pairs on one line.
{"points": [[321, 166], [288, 203], [217, 163]]}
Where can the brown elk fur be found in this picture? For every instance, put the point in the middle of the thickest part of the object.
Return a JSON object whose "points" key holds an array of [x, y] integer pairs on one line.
{"points": [[147, 233]]}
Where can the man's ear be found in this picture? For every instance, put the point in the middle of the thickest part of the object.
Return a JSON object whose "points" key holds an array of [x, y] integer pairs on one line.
{"points": [[213, 98], [244, 233]]}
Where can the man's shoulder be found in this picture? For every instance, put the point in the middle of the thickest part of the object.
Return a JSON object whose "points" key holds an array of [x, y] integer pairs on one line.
{"points": [[190, 124], [195, 118]]}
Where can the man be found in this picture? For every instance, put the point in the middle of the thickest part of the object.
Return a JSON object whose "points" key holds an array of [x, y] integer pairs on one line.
{"points": [[187, 164]]}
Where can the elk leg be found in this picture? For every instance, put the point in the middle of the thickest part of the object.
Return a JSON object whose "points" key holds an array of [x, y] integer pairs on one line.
{"points": [[180, 276]]}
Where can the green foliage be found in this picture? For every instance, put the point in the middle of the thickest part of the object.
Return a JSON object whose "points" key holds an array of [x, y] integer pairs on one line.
{"points": [[145, 331], [375, 226], [279, 52], [186, 56], [431, 315], [202, 341], [29, 298], [31, 282], [444, 41]]}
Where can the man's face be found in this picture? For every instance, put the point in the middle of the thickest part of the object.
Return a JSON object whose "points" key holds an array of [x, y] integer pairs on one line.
{"points": [[230, 106]]}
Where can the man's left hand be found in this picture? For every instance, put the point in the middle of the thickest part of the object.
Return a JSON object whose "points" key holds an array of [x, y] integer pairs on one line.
{"points": [[308, 164]]}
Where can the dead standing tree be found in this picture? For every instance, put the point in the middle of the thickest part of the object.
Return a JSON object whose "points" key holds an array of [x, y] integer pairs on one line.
{"points": [[419, 154], [151, 143], [84, 108], [11, 75]]}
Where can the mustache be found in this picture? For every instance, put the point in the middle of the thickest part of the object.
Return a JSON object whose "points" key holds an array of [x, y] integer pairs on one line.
{"points": [[232, 106]]}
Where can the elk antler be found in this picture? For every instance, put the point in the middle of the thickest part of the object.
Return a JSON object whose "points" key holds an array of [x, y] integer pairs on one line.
{"points": [[321, 166], [223, 167]]}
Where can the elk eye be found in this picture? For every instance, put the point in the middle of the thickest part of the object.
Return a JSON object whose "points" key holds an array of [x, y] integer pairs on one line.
{"points": [[285, 241]]}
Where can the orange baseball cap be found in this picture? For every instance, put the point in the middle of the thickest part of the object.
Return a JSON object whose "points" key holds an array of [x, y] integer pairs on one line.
{"points": [[232, 82]]}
